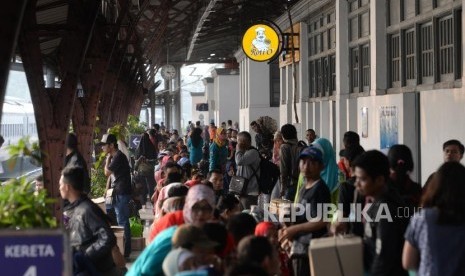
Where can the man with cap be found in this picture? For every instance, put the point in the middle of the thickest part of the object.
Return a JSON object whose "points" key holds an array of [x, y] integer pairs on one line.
{"points": [[312, 195], [117, 166], [74, 159]]}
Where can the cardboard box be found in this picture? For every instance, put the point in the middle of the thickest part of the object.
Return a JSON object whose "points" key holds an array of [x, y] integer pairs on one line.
{"points": [[336, 256], [137, 244], [278, 206]]}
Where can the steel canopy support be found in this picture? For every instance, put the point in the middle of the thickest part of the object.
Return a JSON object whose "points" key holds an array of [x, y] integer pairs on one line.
{"points": [[199, 26], [11, 17], [54, 106]]}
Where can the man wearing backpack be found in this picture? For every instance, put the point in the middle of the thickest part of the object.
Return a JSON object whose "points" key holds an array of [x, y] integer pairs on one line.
{"points": [[248, 167], [289, 161]]}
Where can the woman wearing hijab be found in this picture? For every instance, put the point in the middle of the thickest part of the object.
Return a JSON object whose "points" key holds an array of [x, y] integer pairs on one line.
{"points": [[219, 151], [198, 209]]}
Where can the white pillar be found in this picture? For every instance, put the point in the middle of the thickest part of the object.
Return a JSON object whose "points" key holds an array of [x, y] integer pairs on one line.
{"points": [[342, 70], [378, 48], [463, 45]]}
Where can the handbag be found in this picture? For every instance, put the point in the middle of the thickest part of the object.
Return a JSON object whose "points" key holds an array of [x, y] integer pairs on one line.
{"points": [[109, 196], [238, 185]]}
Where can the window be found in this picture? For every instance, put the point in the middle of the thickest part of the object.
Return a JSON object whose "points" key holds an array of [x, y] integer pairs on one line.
{"points": [[427, 53], [446, 46], [410, 72], [430, 46], [322, 50], [359, 47], [275, 84], [354, 62], [395, 59], [332, 66], [366, 67], [325, 75], [312, 78], [318, 78]]}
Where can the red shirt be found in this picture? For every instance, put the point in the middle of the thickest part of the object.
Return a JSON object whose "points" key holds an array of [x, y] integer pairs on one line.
{"points": [[165, 222]]}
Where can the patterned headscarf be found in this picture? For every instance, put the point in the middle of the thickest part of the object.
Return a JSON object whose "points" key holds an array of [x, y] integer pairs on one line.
{"points": [[195, 194], [217, 139]]}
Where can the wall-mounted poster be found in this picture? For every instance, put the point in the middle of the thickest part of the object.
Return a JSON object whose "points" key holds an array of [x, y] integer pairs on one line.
{"points": [[365, 122], [388, 124]]}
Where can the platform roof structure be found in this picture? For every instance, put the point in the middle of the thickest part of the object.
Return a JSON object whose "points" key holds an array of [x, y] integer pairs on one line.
{"points": [[111, 49]]}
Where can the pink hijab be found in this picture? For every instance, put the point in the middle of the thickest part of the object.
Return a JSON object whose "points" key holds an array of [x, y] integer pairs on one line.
{"points": [[165, 161], [160, 181], [195, 194]]}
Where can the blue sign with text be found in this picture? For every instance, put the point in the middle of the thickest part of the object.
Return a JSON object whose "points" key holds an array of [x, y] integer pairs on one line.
{"points": [[25, 253]]}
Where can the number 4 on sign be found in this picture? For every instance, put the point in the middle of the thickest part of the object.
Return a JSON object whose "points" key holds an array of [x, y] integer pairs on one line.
{"points": [[31, 271]]}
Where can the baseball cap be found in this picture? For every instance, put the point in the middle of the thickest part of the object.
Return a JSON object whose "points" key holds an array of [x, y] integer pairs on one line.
{"points": [[313, 153], [188, 235], [108, 139]]}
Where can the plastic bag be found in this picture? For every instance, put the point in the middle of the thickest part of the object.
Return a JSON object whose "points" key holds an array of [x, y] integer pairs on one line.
{"points": [[136, 227]]}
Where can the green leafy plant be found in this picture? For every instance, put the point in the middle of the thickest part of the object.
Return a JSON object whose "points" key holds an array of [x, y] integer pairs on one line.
{"points": [[120, 131], [98, 178], [134, 126], [22, 149], [21, 208]]}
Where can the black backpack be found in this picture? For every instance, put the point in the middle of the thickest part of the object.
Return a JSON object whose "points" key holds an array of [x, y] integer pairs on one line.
{"points": [[269, 174]]}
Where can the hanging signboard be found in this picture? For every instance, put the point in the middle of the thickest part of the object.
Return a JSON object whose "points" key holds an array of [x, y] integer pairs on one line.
{"points": [[261, 42], [291, 39], [265, 42]]}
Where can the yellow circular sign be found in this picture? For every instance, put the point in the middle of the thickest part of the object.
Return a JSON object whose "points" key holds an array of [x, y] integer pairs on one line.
{"points": [[260, 42]]}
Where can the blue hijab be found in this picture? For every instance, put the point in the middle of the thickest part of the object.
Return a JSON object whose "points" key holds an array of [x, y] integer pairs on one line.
{"points": [[151, 259], [331, 171]]}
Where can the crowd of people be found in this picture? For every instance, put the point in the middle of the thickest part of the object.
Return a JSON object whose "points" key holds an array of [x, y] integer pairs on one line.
{"points": [[205, 226]]}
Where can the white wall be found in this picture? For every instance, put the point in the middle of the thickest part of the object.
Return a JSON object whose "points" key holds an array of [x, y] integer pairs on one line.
{"points": [[407, 126], [441, 114], [256, 86], [209, 98], [227, 93], [196, 99]]}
